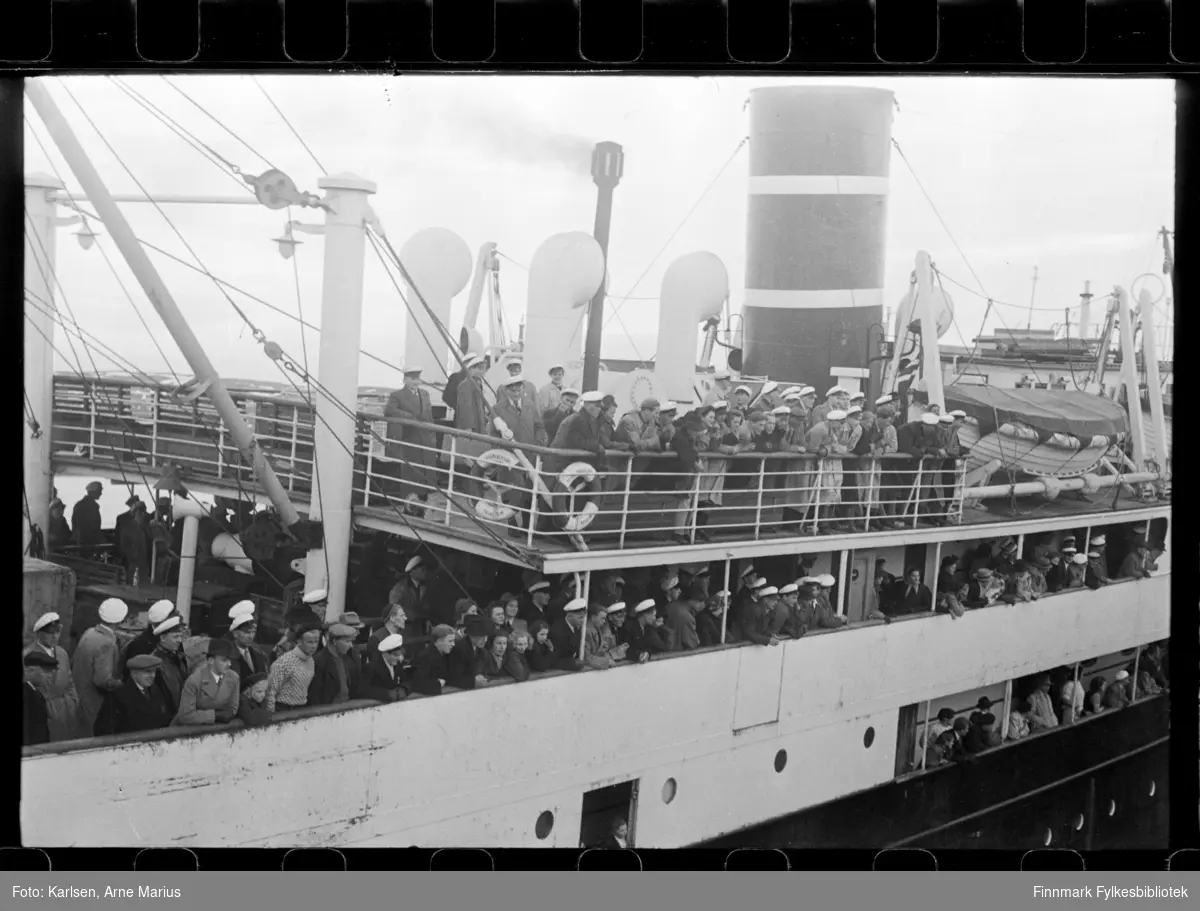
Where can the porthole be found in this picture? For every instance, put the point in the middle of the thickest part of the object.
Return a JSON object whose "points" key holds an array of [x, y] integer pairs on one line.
{"points": [[1153, 788], [869, 738], [1077, 822], [1048, 837], [545, 822], [780, 760], [1112, 808], [669, 789]]}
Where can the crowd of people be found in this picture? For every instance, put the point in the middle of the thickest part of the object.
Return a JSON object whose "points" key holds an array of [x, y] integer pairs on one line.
{"points": [[1044, 702], [732, 420]]}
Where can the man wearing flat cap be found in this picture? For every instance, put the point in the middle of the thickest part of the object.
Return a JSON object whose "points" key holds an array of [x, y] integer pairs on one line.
{"points": [[552, 418], [131, 533], [410, 448], [464, 663], [138, 704], [95, 665], [336, 673], [145, 641], [38, 669], [211, 693], [471, 410], [640, 430], [62, 702]]}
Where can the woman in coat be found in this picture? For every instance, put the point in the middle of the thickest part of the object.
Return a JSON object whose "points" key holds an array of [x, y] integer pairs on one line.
{"points": [[62, 702], [516, 659], [492, 661]]}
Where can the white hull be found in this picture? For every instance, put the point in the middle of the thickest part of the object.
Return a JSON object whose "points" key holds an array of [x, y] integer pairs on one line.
{"points": [[480, 768]]}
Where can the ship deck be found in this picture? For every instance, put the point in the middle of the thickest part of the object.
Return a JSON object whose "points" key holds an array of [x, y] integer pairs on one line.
{"points": [[132, 434]]}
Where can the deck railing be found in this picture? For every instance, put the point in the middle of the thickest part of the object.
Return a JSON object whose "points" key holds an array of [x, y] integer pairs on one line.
{"points": [[486, 485]]}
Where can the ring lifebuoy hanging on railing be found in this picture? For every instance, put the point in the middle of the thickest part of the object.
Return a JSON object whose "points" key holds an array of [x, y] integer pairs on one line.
{"points": [[491, 505], [574, 489]]}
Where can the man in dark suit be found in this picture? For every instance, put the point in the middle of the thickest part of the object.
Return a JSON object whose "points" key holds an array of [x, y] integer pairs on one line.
{"points": [[336, 674], [919, 440], [410, 445], [384, 678], [248, 659], [910, 596], [431, 667], [567, 632], [39, 670], [463, 662], [138, 705]]}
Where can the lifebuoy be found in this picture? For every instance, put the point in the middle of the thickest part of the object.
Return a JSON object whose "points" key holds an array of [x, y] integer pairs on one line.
{"points": [[574, 488], [491, 505]]}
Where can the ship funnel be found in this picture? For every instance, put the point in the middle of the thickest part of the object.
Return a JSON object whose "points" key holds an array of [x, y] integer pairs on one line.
{"points": [[439, 263], [566, 271], [694, 290], [819, 164]]}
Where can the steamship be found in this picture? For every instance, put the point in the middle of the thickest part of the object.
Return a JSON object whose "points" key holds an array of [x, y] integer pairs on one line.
{"points": [[813, 743]]}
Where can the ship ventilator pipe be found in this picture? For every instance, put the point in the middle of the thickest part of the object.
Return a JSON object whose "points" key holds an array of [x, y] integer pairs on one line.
{"points": [[1087, 482], [190, 511]]}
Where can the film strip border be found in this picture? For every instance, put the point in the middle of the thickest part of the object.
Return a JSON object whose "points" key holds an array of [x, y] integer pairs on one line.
{"points": [[1016, 35], [147, 860]]}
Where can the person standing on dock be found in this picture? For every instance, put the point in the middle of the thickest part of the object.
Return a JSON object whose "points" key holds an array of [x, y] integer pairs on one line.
{"points": [[95, 666], [85, 520], [62, 702], [410, 447]]}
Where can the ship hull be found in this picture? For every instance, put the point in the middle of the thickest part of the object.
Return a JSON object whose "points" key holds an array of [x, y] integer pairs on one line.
{"points": [[1099, 784]]}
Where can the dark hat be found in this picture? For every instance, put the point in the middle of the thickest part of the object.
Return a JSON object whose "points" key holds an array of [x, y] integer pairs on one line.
{"points": [[479, 626], [696, 593], [143, 662], [945, 714], [984, 704], [220, 648], [961, 724], [38, 658]]}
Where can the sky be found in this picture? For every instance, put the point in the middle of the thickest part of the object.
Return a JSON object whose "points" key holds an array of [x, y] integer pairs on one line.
{"points": [[1073, 176]]}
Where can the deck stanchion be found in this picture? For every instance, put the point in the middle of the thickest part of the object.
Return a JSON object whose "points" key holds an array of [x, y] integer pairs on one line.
{"points": [[533, 504], [843, 588], [924, 738], [625, 502], [693, 509], [915, 499], [869, 490], [450, 477], [584, 589], [1008, 697], [937, 572], [1071, 707], [816, 497], [762, 469], [369, 467], [1137, 657], [295, 444], [728, 599], [221, 452]]}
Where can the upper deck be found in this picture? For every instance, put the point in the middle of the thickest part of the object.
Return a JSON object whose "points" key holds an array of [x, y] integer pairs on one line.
{"points": [[642, 509]]}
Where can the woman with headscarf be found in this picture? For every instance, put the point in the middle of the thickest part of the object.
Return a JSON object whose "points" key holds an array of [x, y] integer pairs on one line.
{"points": [[252, 708]]}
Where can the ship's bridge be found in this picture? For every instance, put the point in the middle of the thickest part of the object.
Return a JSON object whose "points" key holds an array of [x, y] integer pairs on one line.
{"points": [[472, 492]]}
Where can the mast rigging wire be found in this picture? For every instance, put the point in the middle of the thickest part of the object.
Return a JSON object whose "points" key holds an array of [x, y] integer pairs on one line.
{"points": [[218, 122], [283, 117]]}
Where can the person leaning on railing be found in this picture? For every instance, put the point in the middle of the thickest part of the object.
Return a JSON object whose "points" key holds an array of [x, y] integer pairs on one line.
{"points": [[580, 431], [644, 633], [290, 675]]}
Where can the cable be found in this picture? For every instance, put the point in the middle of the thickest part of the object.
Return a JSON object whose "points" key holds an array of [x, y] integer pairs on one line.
{"points": [[396, 285], [218, 122], [283, 117]]}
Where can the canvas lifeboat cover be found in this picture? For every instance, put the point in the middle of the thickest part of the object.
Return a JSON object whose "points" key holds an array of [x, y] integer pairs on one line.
{"points": [[1083, 415]]}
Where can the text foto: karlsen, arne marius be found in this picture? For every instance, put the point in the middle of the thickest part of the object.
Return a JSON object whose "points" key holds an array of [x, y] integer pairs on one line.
{"points": [[108, 892]]}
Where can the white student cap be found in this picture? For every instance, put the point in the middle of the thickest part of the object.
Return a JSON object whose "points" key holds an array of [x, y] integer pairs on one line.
{"points": [[646, 605], [745, 389], [575, 604], [956, 413], [167, 625], [515, 379], [808, 390], [1079, 558], [836, 390], [854, 409], [161, 610], [594, 396], [789, 589], [792, 397], [241, 609], [883, 400], [768, 591], [858, 395], [315, 596], [747, 571], [241, 620], [113, 610], [412, 564], [1098, 540], [826, 580], [791, 390], [472, 360], [717, 406], [45, 620], [539, 586], [556, 367], [835, 415], [667, 406], [391, 643], [946, 419], [758, 584], [615, 608], [668, 584], [782, 409], [929, 418], [570, 391]]}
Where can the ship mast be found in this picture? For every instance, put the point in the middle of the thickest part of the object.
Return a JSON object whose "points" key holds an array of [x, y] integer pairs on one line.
{"points": [[608, 163]]}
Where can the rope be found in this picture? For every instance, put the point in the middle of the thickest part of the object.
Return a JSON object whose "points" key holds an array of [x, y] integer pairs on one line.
{"points": [[218, 122], [396, 285], [288, 123]]}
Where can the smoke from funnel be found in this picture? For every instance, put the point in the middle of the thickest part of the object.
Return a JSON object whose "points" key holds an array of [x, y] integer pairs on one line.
{"points": [[513, 138]]}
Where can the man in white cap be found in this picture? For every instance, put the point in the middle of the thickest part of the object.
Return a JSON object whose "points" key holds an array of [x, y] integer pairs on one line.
{"points": [[644, 633], [248, 658], [552, 418], [471, 410], [1134, 564], [581, 431], [411, 448], [1116, 694], [720, 388], [516, 405], [143, 643], [830, 438], [1096, 575], [918, 440], [533, 603], [384, 678], [96, 663], [740, 398], [58, 687], [836, 399], [567, 632], [754, 619], [548, 396], [1099, 544]]}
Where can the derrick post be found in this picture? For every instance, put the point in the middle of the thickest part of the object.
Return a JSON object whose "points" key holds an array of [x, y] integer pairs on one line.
{"points": [[40, 223], [336, 399], [608, 163]]}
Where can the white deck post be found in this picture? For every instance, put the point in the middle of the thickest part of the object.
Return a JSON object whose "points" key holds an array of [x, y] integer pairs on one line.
{"points": [[1154, 385], [1129, 376], [38, 358], [728, 599], [1008, 695], [337, 400]]}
